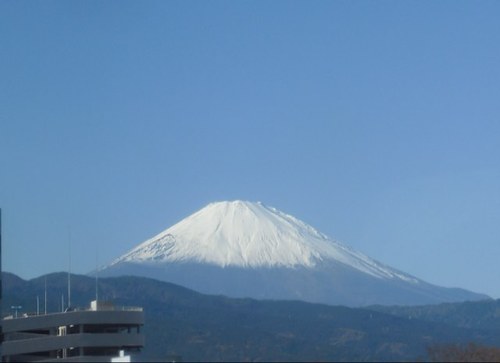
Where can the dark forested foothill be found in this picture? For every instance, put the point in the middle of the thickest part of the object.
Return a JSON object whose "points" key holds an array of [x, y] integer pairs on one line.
{"points": [[197, 327]]}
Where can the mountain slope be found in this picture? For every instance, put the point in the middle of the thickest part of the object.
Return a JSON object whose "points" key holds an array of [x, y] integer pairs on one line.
{"points": [[200, 327], [252, 235], [244, 249]]}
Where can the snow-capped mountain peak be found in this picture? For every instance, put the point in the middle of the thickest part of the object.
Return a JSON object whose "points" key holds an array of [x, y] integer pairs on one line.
{"points": [[250, 235]]}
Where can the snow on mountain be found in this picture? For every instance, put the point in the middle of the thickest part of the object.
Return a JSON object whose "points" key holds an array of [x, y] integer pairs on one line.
{"points": [[247, 234], [244, 249]]}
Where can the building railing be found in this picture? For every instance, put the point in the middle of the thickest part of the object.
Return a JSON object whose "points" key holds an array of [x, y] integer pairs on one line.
{"points": [[113, 308], [98, 308]]}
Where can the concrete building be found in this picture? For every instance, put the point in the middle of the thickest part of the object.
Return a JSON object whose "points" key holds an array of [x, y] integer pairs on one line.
{"points": [[97, 334]]}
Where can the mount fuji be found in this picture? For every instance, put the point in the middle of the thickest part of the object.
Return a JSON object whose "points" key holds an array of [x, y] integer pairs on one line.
{"points": [[245, 249]]}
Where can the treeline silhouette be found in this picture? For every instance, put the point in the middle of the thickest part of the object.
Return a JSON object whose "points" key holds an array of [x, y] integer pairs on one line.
{"points": [[197, 327]]}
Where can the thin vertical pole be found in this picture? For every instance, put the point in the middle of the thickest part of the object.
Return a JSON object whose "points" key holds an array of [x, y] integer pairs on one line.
{"points": [[37, 305], [45, 295], [69, 270], [96, 277]]}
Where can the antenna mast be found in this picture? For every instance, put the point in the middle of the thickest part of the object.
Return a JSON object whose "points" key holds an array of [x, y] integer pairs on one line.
{"points": [[45, 295], [69, 269], [96, 275]]}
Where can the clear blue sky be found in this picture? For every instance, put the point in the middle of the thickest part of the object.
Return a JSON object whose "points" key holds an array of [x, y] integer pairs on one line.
{"points": [[376, 122]]}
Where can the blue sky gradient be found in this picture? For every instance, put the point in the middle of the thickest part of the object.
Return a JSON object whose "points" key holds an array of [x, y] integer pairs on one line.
{"points": [[376, 122]]}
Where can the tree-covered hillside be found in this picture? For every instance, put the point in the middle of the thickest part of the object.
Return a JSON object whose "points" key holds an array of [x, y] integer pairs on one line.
{"points": [[215, 328]]}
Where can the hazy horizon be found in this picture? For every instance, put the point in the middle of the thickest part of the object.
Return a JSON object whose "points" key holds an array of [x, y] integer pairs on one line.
{"points": [[374, 122]]}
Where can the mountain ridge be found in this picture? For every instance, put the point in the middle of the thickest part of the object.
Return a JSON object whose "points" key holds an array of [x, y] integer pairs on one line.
{"points": [[199, 327], [250, 234], [245, 249]]}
